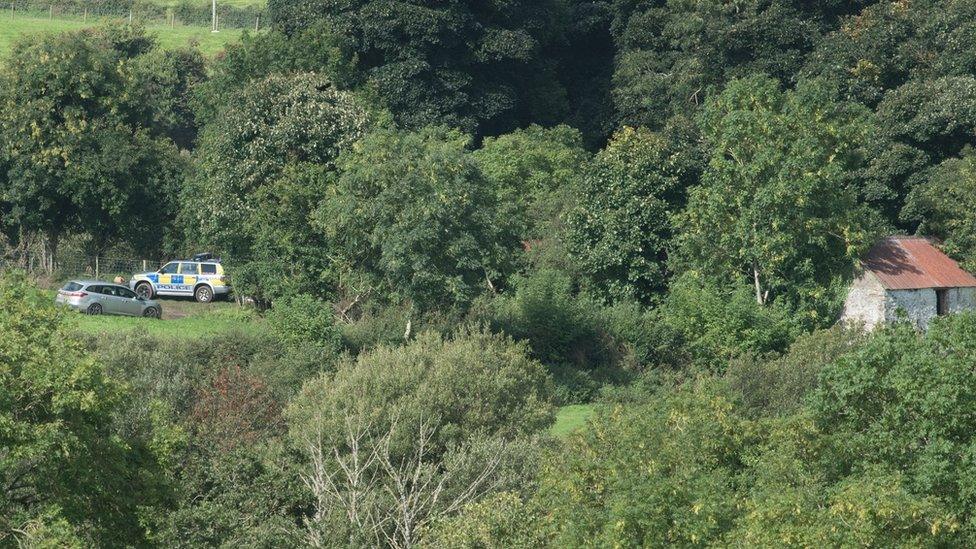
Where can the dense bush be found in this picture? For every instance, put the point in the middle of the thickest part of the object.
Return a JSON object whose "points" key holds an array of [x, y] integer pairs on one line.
{"points": [[584, 343], [779, 385], [443, 418], [473, 382], [718, 323], [56, 409]]}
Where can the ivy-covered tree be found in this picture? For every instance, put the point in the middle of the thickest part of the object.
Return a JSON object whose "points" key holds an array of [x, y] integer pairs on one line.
{"points": [[777, 207]]}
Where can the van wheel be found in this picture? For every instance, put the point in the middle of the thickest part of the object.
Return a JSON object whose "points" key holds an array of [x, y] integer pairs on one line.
{"points": [[203, 294], [144, 290], [94, 309]]}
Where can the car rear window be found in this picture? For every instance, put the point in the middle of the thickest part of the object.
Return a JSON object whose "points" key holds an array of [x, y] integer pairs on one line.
{"points": [[71, 287], [208, 268]]}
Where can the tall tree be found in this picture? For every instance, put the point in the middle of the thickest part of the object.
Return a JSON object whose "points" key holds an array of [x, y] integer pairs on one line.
{"points": [[912, 62], [478, 66], [80, 148], [413, 213], [672, 54], [261, 168], [620, 230], [777, 206]]}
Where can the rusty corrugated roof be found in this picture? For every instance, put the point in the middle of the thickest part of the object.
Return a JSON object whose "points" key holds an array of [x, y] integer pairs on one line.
{"points": [[913, 262]]}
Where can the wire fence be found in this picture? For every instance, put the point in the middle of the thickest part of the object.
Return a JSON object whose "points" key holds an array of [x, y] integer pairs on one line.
{"points": [[147, 13], [73, 265]]}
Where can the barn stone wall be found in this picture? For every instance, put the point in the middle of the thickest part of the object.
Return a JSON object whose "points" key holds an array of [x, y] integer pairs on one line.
{"points": [[865, 303], [918, 306], [961, 299]]}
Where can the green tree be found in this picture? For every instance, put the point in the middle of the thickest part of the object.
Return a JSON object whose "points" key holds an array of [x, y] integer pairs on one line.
{"points": [[776, 207], [672, 55], [413, 212], [403, 432], [654, 474], [621, 228], [912, 63], [534, 172], [483, 68], [471, 384], [903, 401], [803, 491], [65, 472], [262, 166], [946, 204], [81, 150]]}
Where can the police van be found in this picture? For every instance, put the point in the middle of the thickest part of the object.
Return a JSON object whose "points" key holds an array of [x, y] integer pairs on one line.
{"points": [[201, 277]]}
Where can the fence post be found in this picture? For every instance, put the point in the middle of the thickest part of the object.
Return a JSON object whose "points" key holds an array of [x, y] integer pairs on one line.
{"points": [[144, 269], [11, 10], [50, 14], [86, 14], [130, 16], [96, 267], [257, 22]]}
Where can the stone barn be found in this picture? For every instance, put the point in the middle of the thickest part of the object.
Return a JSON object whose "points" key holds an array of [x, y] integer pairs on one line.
{"points": [[908, 275]]}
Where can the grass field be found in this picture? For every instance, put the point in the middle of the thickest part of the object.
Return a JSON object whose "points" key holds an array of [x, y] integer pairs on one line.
{"points": [[182, 318], [570, 418], [209, 43]]}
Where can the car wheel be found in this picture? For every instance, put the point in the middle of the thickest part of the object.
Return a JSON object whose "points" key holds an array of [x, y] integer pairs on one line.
{"points": [[94, 309], [203, 294], [151, 312], [144, 290]]}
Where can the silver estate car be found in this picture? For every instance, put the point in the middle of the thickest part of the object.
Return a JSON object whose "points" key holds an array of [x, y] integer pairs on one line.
{"points": [[95, 297]]}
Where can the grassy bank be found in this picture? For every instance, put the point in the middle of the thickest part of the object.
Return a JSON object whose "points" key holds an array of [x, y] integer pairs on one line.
{"points": [[570, 418], [14, 28], [182, 319]]}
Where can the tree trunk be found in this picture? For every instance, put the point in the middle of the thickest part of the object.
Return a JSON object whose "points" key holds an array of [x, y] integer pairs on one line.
{"points": [[760, 296]]}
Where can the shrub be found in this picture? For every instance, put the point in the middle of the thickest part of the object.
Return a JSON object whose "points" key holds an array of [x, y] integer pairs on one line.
{"points": [[473, 382], [779, 386], [718, 324], [234, 409], [655, 474], [67, 475], [303, 320], [585, 344]]}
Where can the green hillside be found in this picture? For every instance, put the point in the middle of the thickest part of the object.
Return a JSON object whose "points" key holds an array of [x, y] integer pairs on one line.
{"points": [[169, 37]]}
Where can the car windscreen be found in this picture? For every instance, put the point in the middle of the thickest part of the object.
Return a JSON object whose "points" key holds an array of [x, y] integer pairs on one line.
{"points": [[71, 287]]}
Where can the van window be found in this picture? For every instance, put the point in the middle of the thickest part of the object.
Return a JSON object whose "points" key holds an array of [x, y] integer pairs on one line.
{"points": [[189, 268], [169, 268], [209, 269]]}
